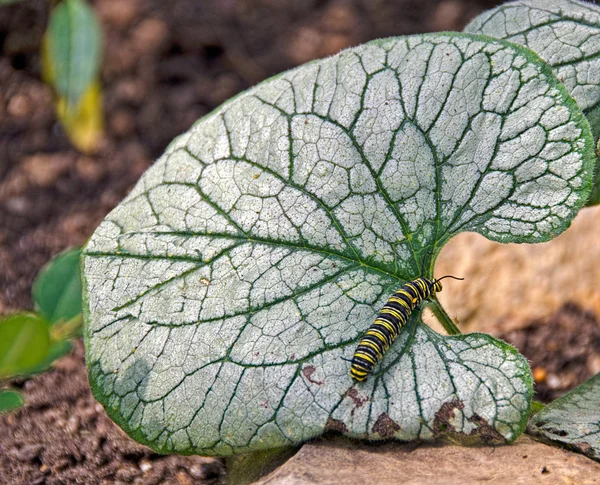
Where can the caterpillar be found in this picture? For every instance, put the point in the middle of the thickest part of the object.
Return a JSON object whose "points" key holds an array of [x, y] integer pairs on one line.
{"points": [[386, 327]]}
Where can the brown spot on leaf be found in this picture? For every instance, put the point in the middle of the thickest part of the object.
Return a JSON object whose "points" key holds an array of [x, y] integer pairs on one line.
{"points": [[385, 426], [308, 371], [358, 401], [486, 432], [336, 425], [444, 418]]}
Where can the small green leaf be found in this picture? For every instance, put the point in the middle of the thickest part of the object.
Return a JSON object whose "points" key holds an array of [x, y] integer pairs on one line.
{"points": [[56, 290], [71, 54], [24, 342], [72, 50], [55, 352], [223, 294], [566, 34], [10, 400], [574, 419]]}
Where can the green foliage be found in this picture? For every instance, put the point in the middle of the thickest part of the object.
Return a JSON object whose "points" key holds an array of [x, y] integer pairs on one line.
{"points": [[573, 420], [73, 46], [225, 294], [30, 343], [71, 56], [56, 290], [24, 343], [10, 400]]}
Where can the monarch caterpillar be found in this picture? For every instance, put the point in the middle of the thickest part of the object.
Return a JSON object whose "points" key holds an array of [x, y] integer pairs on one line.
{"points": [[386, 327]]}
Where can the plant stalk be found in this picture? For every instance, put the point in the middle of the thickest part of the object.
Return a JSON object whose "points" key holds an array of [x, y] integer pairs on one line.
{"points": [[443, 318]]}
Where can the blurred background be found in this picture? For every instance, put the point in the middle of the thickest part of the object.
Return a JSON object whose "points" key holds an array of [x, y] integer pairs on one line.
{"points": [[164, 65]]}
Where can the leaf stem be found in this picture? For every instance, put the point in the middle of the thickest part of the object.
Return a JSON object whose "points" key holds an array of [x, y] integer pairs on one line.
{"points": [[66, 330], [443, 317]]}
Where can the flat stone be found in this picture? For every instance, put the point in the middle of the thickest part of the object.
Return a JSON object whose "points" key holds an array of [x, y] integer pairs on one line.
{"points": [[339, 460], [508, 285]]}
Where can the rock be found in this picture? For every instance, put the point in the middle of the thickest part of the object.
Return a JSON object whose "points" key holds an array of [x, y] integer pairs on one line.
{"points": [[509, 285], [118, 13], [44, 169], [304, 45], [90, 169], [341, 461], [122, 122], [150, 35], [449, 15], [19, 106]]}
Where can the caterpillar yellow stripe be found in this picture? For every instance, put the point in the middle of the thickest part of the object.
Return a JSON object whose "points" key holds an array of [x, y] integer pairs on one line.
{"points": [[390, 320]]}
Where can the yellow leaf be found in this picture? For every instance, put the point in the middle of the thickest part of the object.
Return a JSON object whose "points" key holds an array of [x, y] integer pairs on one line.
{"points": [[84, 122]]}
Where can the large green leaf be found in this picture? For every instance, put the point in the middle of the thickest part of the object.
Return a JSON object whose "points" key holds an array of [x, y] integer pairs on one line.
{"points": [[223, 292], [574, 419], [566, 34], [56, 290]]}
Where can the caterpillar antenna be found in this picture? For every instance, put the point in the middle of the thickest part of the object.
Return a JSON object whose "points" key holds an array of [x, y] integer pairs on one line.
{"points": [[449, 276]]}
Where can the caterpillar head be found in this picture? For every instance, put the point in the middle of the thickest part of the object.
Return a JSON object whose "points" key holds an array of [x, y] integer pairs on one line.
{"points": [[437, 286]]}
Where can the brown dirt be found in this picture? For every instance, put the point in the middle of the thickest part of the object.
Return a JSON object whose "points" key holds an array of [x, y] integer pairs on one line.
{"points": [[563, 350], [166, 64], [63, 435]]}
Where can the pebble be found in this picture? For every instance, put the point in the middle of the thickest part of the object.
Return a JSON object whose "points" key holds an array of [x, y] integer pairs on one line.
{"points": [[89, 169], [448, 16], [118, 13], [304, 45], [73, 424], [183, 479], [18, 205], [150, 35], [553, 381], [122, 122], [145, 465], [77, 224], [19, 106], [339, 18], [130, 90], [44, 170], [593, 364]]}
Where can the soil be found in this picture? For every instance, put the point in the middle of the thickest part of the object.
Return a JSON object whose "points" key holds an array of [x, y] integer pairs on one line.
{"points": [[63, 436], [563, 350], [166, 64]]}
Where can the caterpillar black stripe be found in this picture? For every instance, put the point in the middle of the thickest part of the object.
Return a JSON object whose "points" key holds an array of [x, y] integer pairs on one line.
{"points": [[390, 320]]}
